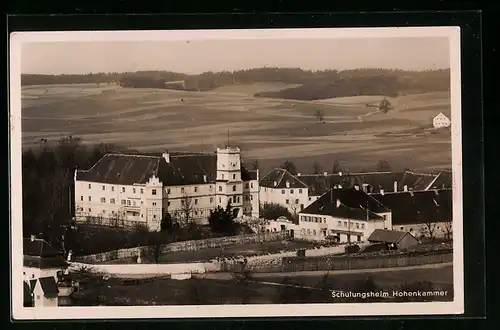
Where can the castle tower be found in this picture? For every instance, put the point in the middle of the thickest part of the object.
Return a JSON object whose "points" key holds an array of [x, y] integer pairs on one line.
{"points": [[228, 164]]}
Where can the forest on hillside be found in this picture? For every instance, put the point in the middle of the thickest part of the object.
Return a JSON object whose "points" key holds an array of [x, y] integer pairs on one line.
{"points": [[314, 84]]}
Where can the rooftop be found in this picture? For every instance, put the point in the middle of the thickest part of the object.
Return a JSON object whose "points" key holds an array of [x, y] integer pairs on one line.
{"points": [[280, 178], [353, 204], [39, 248], [386, 236]]}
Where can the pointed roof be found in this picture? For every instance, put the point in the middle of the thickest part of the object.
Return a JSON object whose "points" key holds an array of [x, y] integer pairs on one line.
{"points": [[354, 204], [278, 179], [49, 286], [416, 181], [444, 180], [387, 236]]}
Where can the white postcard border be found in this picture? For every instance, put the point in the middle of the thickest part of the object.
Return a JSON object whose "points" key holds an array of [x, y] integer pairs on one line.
{"points": [[210, 311]]}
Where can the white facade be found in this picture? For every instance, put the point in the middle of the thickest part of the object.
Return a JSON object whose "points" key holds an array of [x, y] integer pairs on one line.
{"points": [[147, 203], [441, 120], [40, 300], [294, 199]]}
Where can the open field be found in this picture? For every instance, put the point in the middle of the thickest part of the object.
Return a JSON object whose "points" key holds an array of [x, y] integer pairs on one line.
{"points": [[271, 130]]}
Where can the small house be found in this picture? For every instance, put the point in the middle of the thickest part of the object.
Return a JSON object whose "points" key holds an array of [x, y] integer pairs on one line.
{"points": [[392, 239], [41, 259], [441, 120]]}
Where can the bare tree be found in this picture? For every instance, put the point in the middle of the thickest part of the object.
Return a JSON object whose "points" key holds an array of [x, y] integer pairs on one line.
{"points": [[186, 208], [383, 166], [428, 228], [316, 167], [258, 225], [448, 227], [320, 116]]}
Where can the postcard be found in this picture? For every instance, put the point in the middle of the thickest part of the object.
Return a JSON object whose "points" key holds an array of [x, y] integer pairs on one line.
{"points": [[236, 173]]}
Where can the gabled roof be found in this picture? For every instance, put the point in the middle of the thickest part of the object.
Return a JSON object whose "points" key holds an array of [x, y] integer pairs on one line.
{"points": [[39, 248], [44, 262], [354, 204], [419, 206], [318, 184], [387, 236], [281, 177], [49, 286], [416, 181], [444, 180], [182, 169]]}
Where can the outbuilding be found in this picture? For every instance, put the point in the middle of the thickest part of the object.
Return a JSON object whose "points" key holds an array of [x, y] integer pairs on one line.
{"points": [[392, 239]]}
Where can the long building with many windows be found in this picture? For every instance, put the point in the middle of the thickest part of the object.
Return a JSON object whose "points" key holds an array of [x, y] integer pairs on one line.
{"points": [[123, 189]]}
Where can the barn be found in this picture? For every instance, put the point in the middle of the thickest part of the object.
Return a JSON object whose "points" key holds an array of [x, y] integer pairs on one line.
{"points": [[392, 239]]}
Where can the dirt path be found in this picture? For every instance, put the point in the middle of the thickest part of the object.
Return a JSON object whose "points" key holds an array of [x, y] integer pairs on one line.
{"points": [[229, 276]]}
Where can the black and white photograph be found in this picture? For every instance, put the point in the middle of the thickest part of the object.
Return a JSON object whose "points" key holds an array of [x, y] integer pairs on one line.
{"points": [[236, 173]]}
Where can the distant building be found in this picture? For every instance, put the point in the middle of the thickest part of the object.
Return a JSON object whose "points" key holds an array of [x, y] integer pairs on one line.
{"points": [[393, 239], [343, 215], [281, 187], [282, 224], [421, 213], [41, 259], [441, 120], [124, 190]]}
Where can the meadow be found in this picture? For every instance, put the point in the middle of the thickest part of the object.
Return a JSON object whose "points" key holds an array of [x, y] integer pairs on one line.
{"points": [[270, 130]]}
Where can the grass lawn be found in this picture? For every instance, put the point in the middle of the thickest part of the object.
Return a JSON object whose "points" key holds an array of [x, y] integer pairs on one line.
{"points": [[271, 130]]}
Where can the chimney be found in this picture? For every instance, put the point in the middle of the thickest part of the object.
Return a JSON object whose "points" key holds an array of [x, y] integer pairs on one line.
{"points": [[298, 174], [33, 238], [166, 156], [340, 173], [325, 173], [288, 184], [395, 186], [405, 188], [338, 202], [204, 178], [382, 192], [356, 186]]}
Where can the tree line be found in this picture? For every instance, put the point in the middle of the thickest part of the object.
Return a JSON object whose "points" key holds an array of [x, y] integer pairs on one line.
{"points": [[315, 84]]}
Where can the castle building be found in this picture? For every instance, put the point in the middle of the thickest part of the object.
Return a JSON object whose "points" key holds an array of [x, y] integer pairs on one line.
{"points": [[124, 190]]}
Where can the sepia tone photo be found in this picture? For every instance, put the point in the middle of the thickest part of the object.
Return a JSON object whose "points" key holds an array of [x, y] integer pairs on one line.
{"points": [[236, 173]]}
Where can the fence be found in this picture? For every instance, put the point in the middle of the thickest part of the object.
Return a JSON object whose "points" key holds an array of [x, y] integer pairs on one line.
{"points": [[192, 245], [296, 264]]}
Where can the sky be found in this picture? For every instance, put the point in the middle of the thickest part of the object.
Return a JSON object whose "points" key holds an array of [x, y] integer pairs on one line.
{"points": [[198, 56]]}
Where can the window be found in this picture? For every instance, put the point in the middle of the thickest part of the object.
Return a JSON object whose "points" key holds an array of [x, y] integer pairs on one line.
{"points": [[301, 207], [90, 186], [168, 203], [103, 211], [247, 197], [128, 202], [359, 238], [154, 216], [153, 191], [195, 212], [142, 191], [220, 188], [300, 191], [90, 198], [309, 198], [314, 231], [103, 187], [182, 190], [251, 197], [123, 202], [291, 191], [195, 189], [81, 198], [238, 199], [401, 228], [133, 190], [339, 223], [123, 189], [234, 199], [220, 200], [37, 296], [222, 176], [211, 199], [142, 202], [287, 201], [296, 201], [357, 225], [234, 188], [234, 176], [251, 184], [196, 201], [362, 226], [246, 185], [154, 203], [90, 210], [168, 191], [112, 188], [103, 200], [210, 188], [345, 223], [283, 192]]}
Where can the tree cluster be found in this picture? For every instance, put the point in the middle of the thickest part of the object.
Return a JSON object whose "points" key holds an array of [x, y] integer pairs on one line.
{"points": [[222, 220]]}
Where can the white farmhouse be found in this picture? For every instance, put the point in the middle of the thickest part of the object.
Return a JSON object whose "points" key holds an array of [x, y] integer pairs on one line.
{"points": [[441, 120], [344, 215], [124, 189]]}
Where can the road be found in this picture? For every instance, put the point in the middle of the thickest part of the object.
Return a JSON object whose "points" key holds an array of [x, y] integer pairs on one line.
{"points": [[229, 276]]}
